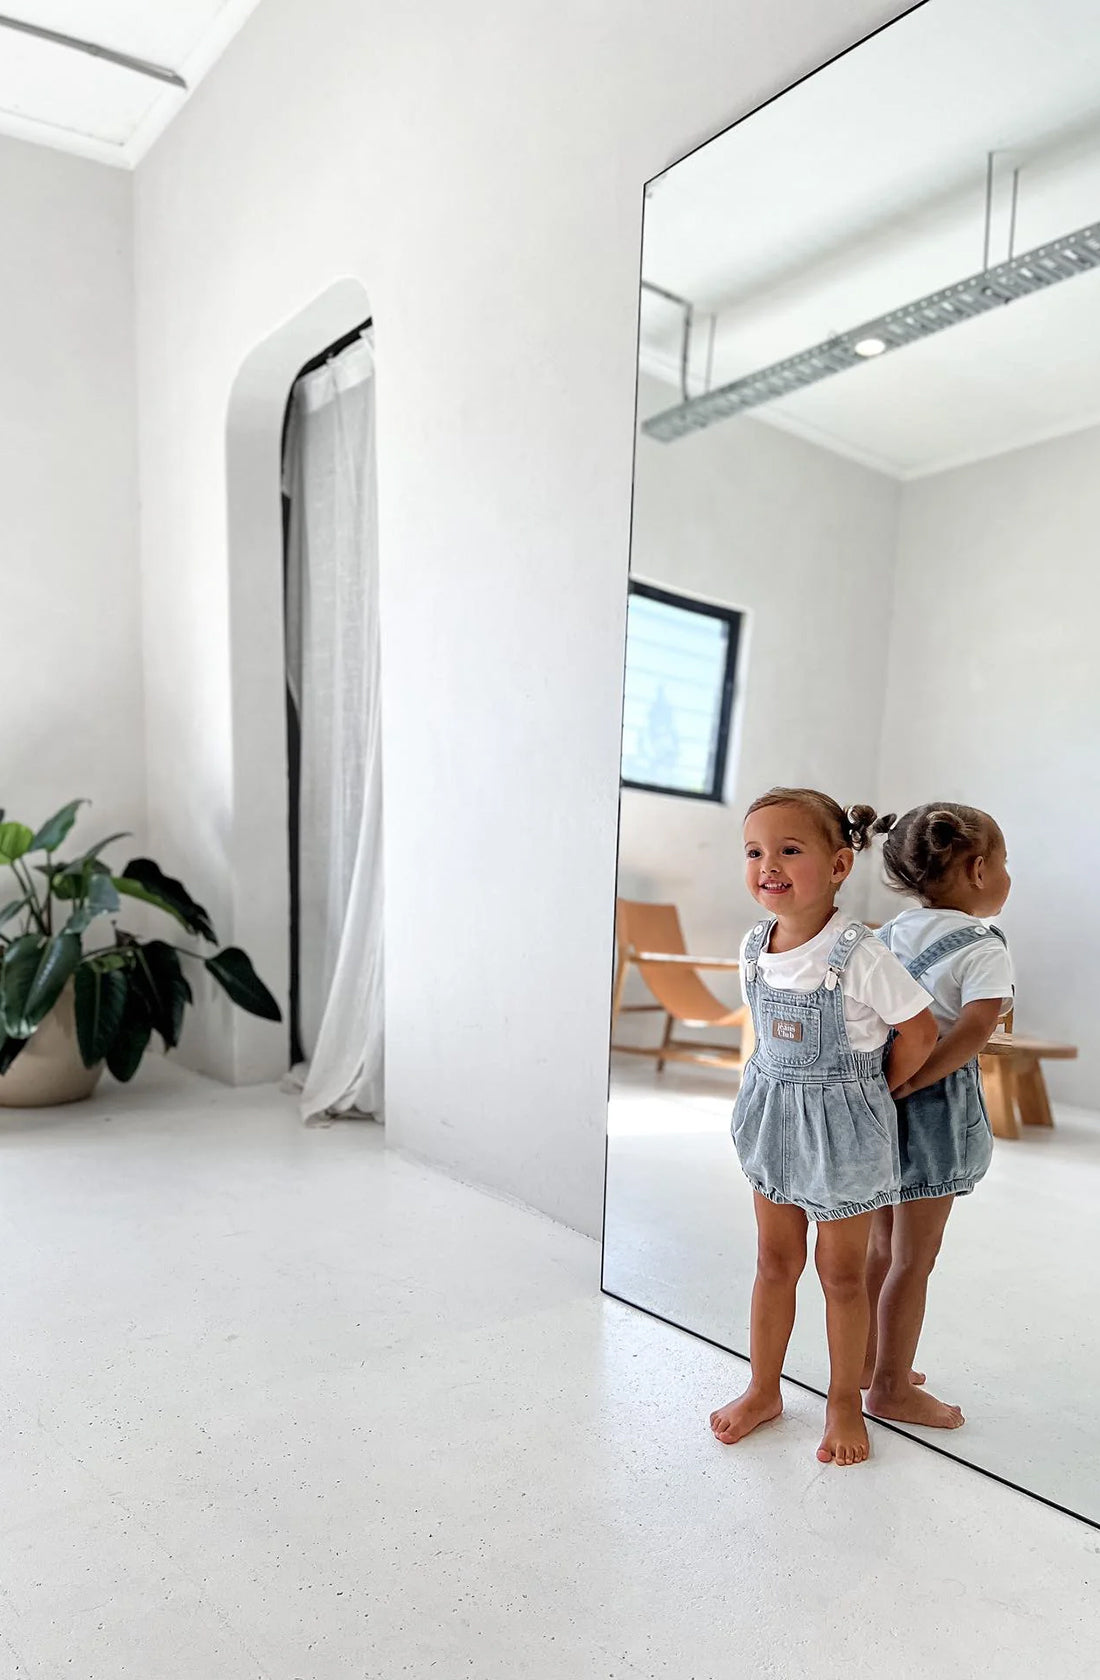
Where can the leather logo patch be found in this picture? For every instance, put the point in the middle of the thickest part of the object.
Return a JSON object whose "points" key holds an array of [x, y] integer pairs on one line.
{"points": [[790, 1030]]}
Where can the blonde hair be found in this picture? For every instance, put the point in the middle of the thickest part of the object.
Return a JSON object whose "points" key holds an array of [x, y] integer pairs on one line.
{"points": [[855, 827]]}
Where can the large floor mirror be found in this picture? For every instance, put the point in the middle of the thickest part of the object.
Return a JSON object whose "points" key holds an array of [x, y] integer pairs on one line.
{"points": [[864, 558]]}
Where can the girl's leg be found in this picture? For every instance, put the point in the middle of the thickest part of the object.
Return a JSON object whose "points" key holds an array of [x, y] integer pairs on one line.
{"points": [[879, 1256], [780, 1260], [878, 1265], [918, 1233], [841, 1257]]}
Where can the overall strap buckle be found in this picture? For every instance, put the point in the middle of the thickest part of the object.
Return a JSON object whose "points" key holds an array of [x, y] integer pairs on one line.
{"points": [[841, 954], [757, 941]]}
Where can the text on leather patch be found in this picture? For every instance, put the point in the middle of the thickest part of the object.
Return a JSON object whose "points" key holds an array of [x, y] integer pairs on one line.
{"points": [[790, 1030]]}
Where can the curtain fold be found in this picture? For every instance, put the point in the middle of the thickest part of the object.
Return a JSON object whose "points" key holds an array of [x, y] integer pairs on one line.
{"points": [[333, 651]]}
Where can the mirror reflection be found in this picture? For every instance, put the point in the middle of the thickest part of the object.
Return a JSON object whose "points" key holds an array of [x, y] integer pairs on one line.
{"points": [[862, 573]]}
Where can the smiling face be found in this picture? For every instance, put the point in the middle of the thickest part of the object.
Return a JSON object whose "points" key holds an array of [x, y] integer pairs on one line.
{"points": [[791, 868]]}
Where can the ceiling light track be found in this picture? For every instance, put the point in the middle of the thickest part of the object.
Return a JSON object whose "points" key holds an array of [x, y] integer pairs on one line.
{"points": [[139, 66], [1033, 271]]}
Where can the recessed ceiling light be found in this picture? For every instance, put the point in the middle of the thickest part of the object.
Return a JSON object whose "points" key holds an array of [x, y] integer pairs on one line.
{"points": [[867, 347]]}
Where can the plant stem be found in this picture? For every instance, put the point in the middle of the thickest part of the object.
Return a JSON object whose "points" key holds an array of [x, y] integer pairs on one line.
{"points": [[109, 950], [24, 878]]}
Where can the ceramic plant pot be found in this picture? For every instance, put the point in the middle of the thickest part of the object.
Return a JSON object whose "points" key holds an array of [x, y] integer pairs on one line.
{"points": [[49, 1070]]}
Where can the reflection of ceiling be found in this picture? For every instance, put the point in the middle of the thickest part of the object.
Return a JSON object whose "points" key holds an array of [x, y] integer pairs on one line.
{"points": [[63, 98], [864, 188]]}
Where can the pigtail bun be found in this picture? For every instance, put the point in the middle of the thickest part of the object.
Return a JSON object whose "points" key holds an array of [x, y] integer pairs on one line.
{"points": [[856, 827], [863, 824]]}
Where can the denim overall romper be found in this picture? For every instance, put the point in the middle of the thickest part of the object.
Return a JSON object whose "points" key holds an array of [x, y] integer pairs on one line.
{"points": [[944, 1134], [814, 1124]]}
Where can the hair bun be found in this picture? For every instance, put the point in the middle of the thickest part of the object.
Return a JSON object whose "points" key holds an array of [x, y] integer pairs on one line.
{"points": [[928, 843], [943, 832], [862, 820]]}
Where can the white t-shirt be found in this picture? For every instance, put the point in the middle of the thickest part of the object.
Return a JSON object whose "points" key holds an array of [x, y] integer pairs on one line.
{"points": [[983, 970], [878, 993]]}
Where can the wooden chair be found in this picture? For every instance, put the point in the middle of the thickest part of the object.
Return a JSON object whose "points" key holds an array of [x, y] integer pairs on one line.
{"points": [[650, 939], [1012, 1077]]}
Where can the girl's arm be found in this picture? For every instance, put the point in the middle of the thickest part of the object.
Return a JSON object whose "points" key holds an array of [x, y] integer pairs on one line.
{"points": [[913, 1041], [966, 1039]]}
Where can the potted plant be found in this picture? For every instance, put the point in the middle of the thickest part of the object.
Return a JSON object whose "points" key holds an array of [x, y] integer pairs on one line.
{"points": [[66, 1011]]}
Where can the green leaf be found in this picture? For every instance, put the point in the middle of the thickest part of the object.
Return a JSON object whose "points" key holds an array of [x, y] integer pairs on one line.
{"points": [[13, 909], [144, 879], [123, 958], [102, 896], [9, 1049], [159, 976], [132, 1038], [70, 880], [100, 1003], [32, 976], [51, 834], [100, 899], [92, 854], [235, 974], [15, 839]]}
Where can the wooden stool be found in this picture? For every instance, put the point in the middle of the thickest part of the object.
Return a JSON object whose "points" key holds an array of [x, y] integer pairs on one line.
{"points": [[1015, 1090]]}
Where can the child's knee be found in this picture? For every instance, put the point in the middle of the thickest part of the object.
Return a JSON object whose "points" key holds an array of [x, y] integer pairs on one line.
{"points": [[779, 1265], [842, 1277], [880, 1248], [917, 1259]]}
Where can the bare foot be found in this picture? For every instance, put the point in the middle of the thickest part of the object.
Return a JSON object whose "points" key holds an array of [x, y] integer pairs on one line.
{"points": [[743, 1415], [845, 1440], [913, 1406], [917, 1378]]}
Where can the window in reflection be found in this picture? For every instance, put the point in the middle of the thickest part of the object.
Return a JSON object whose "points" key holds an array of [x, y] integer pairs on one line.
{"points": [[681, 669]]}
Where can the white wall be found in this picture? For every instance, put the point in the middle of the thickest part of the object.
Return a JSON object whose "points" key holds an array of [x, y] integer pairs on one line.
{"points": [[70, 624], [993, 700], [803, 541], [478, 167]]}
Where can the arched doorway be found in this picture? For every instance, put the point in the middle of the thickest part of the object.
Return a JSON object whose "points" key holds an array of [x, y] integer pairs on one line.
{"points": [[259, 850]]}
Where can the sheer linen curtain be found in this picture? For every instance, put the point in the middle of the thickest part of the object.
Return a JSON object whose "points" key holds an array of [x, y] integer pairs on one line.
{"points": [[333, 674]]}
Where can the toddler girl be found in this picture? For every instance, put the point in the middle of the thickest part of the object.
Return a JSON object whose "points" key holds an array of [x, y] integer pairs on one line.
{"points": [[814, 1125], [952, 858]]}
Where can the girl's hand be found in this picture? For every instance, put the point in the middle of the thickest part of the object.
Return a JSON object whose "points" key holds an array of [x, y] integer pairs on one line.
{"points": [[914, 1042], [959, 1045]]}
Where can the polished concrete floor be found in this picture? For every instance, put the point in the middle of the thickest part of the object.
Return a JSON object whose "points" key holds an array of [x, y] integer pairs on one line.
{"points": [[280, 1405], [1011, 1333]]}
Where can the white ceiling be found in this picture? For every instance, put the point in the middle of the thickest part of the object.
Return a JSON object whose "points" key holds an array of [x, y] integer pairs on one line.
{"points": [[862, 190], [59, 97]]}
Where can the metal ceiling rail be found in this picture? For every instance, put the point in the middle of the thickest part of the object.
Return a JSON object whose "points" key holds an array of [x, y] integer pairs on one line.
{"points": [[1033, 271], [125, 61]]}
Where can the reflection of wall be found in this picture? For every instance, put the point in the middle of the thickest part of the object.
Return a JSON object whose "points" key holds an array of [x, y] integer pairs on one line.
{"points": [[993, 697], [749, 516]]}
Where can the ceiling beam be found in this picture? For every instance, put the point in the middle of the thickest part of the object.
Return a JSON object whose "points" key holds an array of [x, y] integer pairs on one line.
{"points": [[125, 61], [1048, 265]]}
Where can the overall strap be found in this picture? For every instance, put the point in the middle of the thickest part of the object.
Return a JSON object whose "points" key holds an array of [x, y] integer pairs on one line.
{"points": [[757, 942], [841, 954], [950, 945]]}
